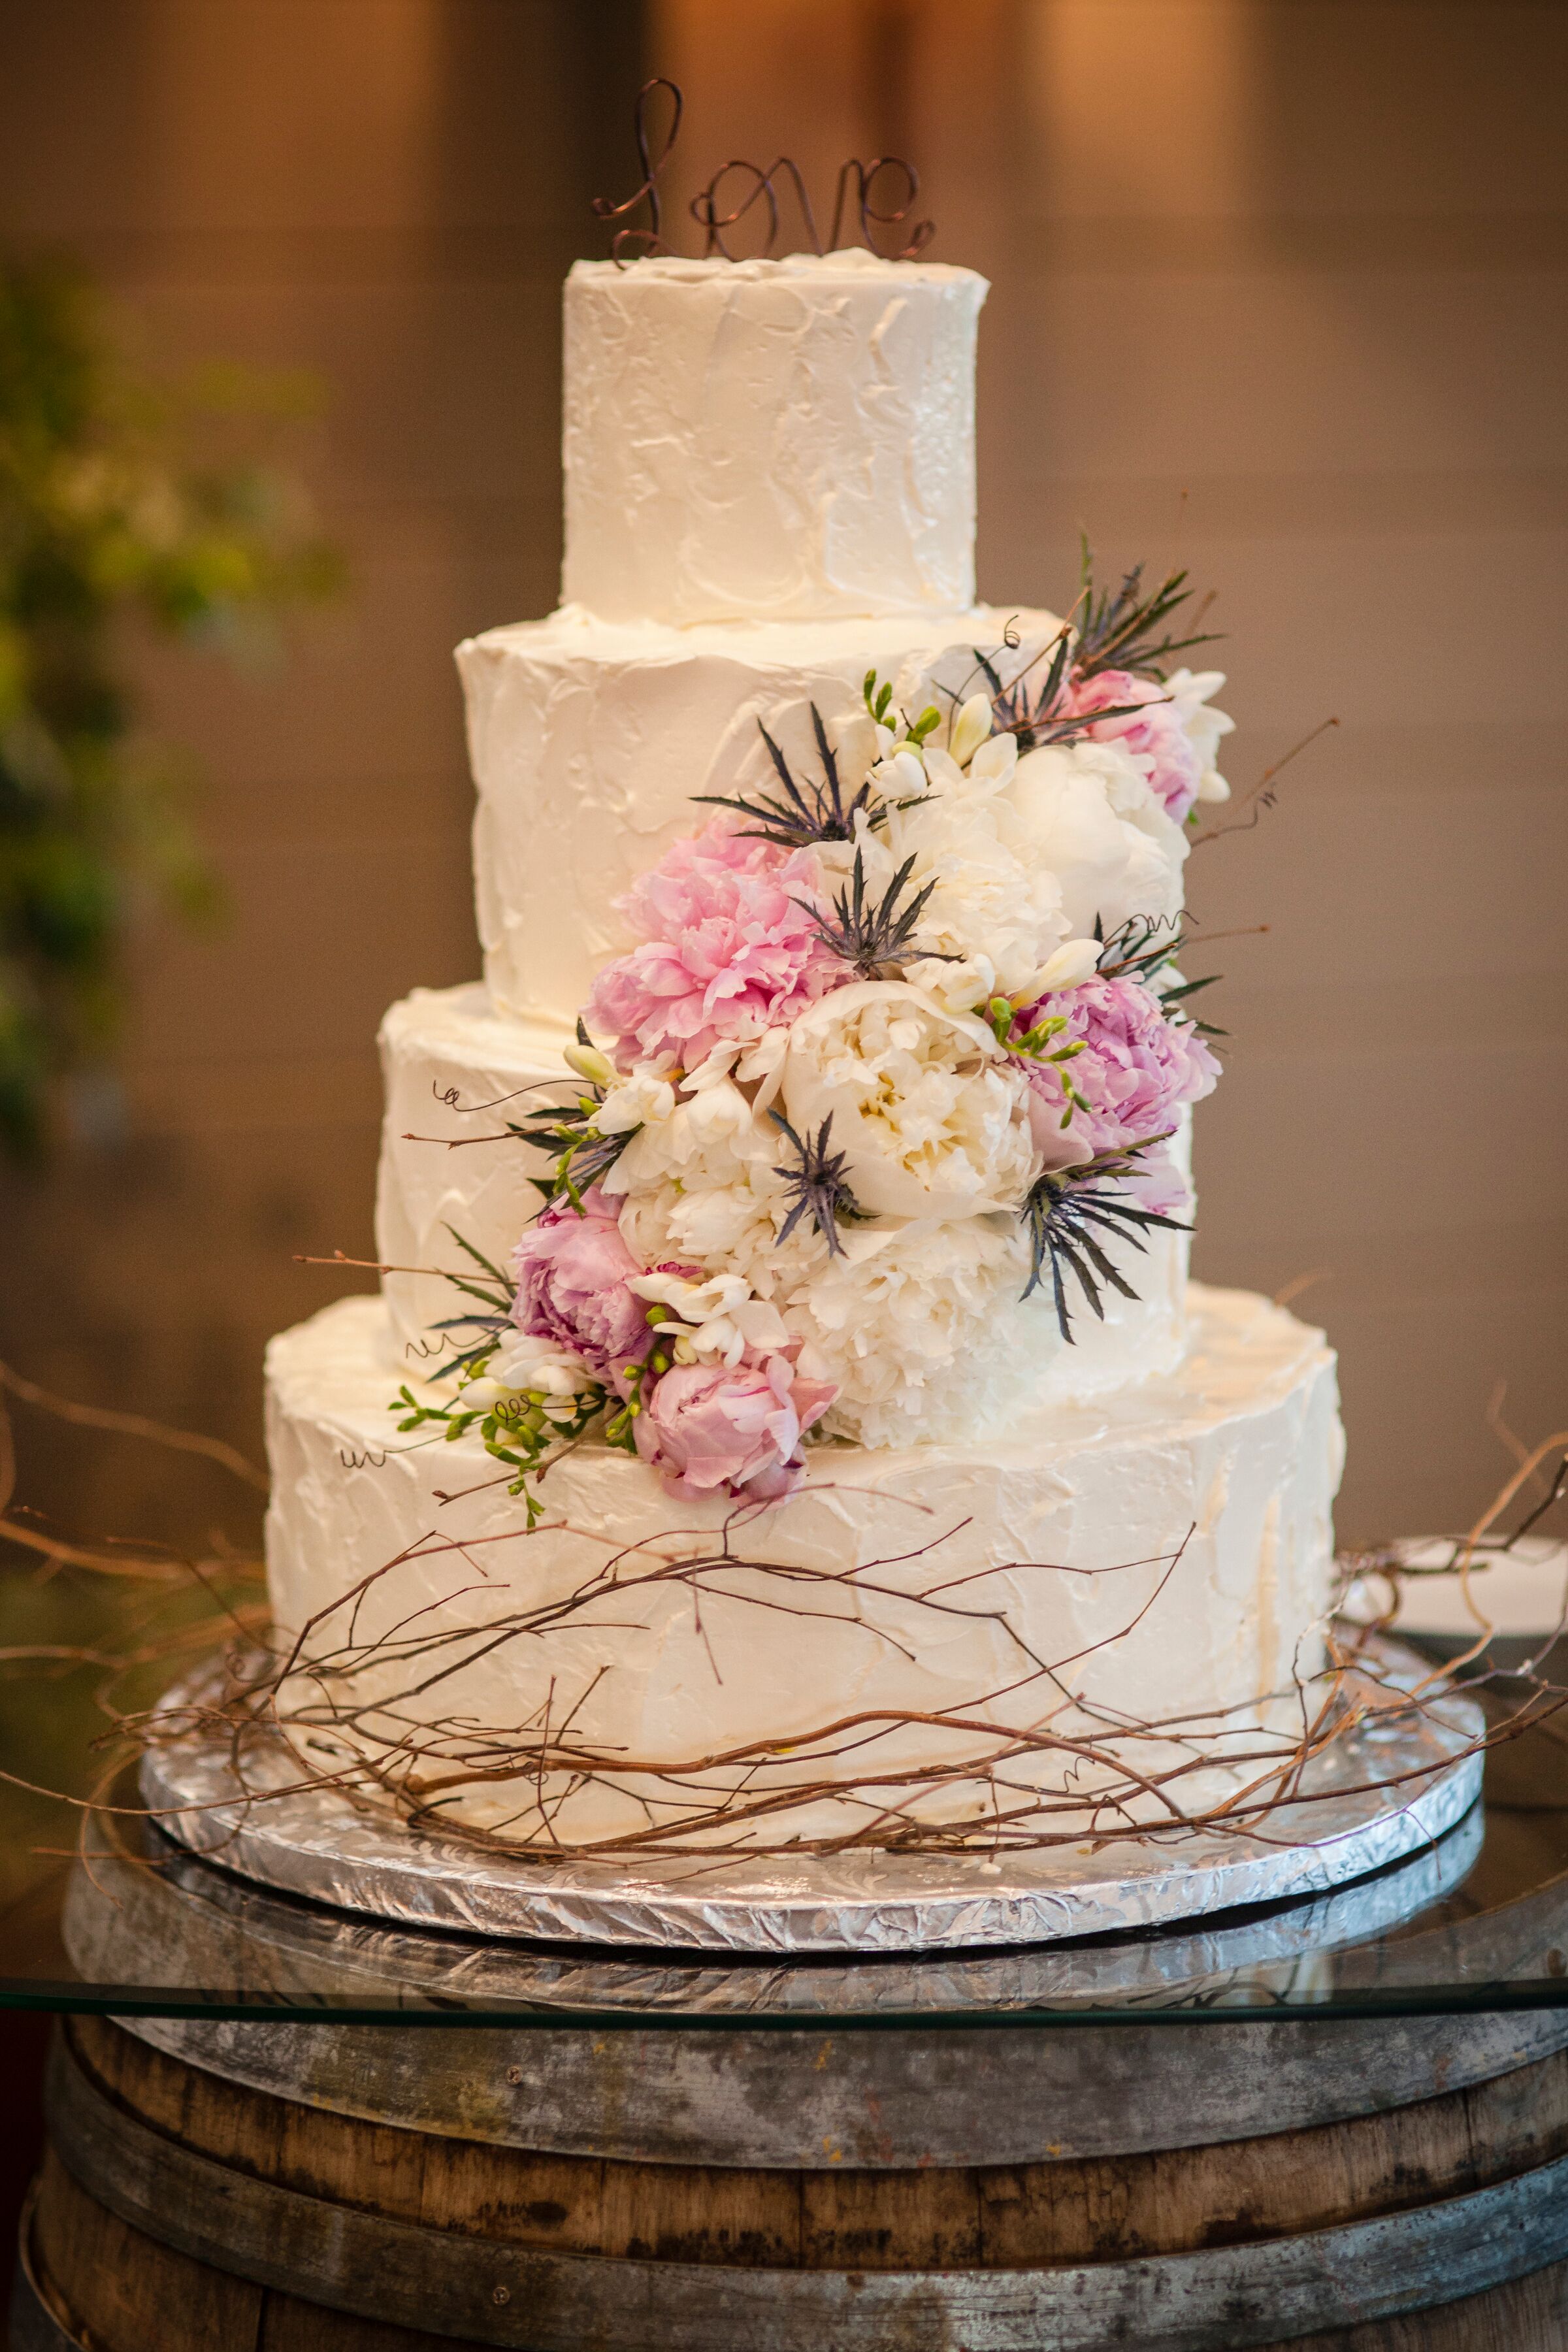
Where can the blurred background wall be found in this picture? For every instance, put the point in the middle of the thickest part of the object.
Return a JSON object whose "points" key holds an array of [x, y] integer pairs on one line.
{"points": [[1279, 294]]}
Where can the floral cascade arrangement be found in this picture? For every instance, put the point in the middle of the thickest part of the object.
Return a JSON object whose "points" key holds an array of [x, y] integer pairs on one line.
{"points": [[899, 1040]]}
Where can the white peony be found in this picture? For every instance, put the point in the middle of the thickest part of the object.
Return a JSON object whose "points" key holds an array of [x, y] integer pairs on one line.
{"points": [[931, 1123], [1206, 728], [920, 1327], [645, 1099], [1084, 813]]}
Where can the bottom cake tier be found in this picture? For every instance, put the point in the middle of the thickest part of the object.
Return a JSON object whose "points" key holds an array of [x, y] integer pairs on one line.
{"points": [[1113, 1614]]}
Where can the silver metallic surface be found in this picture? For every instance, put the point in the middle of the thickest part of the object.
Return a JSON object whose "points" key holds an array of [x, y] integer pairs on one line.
{"points": [[1391, 1783], [808, 2099], [495, 2293], [162, 1916]]}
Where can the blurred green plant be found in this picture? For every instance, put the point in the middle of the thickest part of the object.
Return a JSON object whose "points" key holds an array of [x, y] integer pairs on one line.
{"points": [[125, 503]]}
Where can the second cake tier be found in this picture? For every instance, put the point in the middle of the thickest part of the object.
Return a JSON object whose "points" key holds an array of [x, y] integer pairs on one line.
{"points": [[595, 745]]}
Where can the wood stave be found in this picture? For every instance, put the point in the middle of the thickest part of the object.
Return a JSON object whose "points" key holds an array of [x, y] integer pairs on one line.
{"points": [[869, 2260]]}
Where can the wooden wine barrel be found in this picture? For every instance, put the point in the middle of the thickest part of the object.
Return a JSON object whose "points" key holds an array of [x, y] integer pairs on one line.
{"points": [[182, 2209]]}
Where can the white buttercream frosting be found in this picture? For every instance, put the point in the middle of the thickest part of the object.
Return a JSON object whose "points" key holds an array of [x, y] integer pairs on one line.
{"points": [[590, 742], [764, 440], [1067, 1529], [455, 1071]]}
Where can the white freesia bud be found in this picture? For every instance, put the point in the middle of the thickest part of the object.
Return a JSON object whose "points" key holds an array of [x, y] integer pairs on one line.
{"points": [[590, 1063], [1204, 726], [694, 1302], [713, 1321], [969, 729], [1074, 961]]}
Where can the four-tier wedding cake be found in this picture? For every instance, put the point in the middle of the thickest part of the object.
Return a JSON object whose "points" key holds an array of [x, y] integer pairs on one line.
{"points": [[786, 1419]]}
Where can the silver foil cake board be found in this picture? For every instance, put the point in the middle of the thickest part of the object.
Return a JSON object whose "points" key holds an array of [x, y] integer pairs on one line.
{"points": [[1390, 1784]]}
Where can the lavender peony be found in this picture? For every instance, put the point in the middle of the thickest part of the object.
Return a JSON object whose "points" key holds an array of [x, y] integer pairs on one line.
{"points": [[571, 1287], [726, 952], [709, 1428], [1134, 1069]]}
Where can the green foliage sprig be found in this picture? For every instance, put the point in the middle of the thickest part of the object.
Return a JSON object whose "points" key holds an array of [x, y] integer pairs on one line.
{"points": [[523, 1428], [118, 505], [1124, 628]]}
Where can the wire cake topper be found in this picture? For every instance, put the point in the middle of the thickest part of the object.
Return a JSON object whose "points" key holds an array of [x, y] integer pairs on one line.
{"points": [[855, 198]]}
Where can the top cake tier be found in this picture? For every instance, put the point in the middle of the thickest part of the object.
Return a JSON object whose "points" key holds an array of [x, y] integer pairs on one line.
{"points": [[769, 440]]}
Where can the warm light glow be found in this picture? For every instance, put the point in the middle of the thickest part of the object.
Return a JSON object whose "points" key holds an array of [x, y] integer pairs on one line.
{"points": [[1144, 106]]}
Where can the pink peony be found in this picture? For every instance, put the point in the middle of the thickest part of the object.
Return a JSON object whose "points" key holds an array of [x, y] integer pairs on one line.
{"points": [[1136, 1067], [707, 1427], [1153, 733], [572, 1272], [727, 954]]}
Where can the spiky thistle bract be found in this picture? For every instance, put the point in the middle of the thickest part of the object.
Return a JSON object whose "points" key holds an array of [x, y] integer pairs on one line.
{"points": [[872, 932], [1120, 628], [1136, 950], [1034, 708], [805, 811], [817, 1179], [1071, 1217]]}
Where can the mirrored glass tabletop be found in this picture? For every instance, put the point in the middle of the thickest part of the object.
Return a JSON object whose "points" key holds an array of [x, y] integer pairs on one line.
{"points": [[106, 1913]]}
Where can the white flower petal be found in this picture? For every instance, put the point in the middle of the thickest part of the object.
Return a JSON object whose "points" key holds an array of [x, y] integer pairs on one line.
{"points": [[1074, 961], [994, 761], [899, 778], [969, 729]]}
